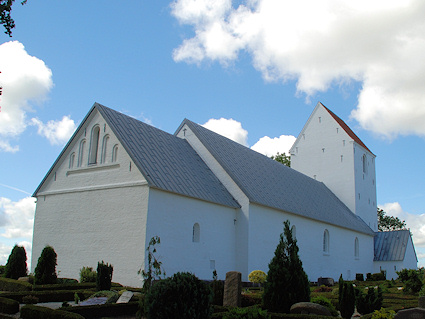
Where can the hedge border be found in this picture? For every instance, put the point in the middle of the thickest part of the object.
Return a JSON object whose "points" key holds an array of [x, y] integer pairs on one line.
{"points": [[8, 306], [7, 284], [105, 310], [37, 312]]}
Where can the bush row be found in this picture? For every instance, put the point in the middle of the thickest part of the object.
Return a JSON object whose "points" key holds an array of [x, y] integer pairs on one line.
{"points": [[8, 306], [7, 284], [48, 296], [37, 312], [106, 310]]}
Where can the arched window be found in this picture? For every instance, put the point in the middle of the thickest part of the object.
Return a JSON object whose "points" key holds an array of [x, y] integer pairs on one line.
{"points": [[94, 144], [71, 160], [294, 231], [81, 153], [364, 160], [326, 242], [105, 148], [196, 236], [115, 153], [356, 248]]}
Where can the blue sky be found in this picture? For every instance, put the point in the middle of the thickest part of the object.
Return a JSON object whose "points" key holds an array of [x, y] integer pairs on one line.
{"points": [[265, 64]]}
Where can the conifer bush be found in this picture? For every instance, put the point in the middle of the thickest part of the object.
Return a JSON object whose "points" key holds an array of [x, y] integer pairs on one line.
{"points": [[87, 274], [367, 303], [181, 296], [217, 287], [347, 300], [16, 265], [45, 272], [287, 283], [104, 276]]}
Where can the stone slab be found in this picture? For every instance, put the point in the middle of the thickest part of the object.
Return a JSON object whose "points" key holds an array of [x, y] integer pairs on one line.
{"points": [[125, 297]]}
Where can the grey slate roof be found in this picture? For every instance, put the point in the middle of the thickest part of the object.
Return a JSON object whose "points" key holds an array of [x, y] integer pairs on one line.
{"points": [[269, 183], [166, 161], [391, 245]]}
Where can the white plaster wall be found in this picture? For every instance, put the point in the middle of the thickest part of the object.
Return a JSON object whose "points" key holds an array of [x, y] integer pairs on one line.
{"points": [[171, 217], [242, 215], [266, 225], [87, 227]]}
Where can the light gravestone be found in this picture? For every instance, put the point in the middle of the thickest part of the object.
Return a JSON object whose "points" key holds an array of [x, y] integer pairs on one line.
{"points": [[125, 297], [233, 289]]}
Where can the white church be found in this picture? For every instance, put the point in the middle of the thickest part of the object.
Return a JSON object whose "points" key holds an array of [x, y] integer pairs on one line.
{"points": [[215, 204]]}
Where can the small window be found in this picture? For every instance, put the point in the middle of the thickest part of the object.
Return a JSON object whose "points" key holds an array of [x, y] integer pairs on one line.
{"points": [[105, 148], [364, 162], [81, 153], [294, 232], [356, 248], [71, 160], [196, 235], [326, 242], [94, 144], [115, 153]]}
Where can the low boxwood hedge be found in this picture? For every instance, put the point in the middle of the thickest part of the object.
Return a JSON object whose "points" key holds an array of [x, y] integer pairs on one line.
{"points": [[7, 284], [71, 286], [106, 310], [9, 306], [37, 312], [48, 296]]}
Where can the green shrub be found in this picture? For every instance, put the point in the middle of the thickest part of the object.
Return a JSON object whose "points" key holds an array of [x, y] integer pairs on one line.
{"points": [[246, 313], [359, 277], [380, 276], [104, 276], [16, 265], [383, 314], [367, 303], [30, 300], [412, 280], [8, 306], [13, 285], [2, 270], [66, 281], [106, 310], [181, 296], [48, 296], [87, 274], [323, 301], [37, 312], [45, 272], [257, 276], [347, 300], [287, 283]]}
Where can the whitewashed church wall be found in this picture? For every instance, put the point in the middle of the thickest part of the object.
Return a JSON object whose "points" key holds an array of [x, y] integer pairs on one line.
{"points": [[71, 175], [242, 215], [172, 218], [266, 225], [87, 227]]}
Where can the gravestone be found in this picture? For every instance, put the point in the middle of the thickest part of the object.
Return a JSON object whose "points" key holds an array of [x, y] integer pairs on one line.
{"points": [[125, 297], [94, 301], [413, 313], [233, 289], [307, 308]]}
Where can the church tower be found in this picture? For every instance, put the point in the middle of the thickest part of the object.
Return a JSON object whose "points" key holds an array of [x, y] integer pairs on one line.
{"points": [[329, 151]]}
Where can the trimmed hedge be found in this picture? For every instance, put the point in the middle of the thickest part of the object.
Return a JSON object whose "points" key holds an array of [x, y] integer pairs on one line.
{"points": [[219, 315], [8, 306], [13, 285], [77, 286], [37, 312], [48, 296], [105, 310]]}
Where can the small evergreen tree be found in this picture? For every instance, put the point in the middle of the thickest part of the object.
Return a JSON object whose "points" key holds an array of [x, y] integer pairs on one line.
{"points": [[287, 283], [104, 276], [16, 265], [367, 303], [347, 300], [45, 272]]}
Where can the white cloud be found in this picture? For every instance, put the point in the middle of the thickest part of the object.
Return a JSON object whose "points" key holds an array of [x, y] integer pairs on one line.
{"points": [[320, 44], [229, 128], [24, 78], [57, 132], [271, 146]]}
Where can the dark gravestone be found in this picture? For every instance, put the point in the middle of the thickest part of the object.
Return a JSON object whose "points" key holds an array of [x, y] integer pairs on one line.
{"points": [[414, 313], [306, 308], [325, 281], [232, 289]]}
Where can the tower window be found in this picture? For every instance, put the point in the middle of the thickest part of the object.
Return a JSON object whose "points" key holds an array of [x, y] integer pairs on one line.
{"points": [[364, 162], [356, 248], [326, 242], [196, 234]]}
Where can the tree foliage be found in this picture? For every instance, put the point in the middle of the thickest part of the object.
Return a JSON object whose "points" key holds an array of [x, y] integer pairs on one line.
{"points": [[104, 276], [5, 17], [389, 223], [16, 265], [282, 158], [287, 283], [45, 272], [153, 267]]}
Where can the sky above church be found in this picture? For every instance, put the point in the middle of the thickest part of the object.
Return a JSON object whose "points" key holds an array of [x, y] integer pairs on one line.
{"points": [[251, 70]]}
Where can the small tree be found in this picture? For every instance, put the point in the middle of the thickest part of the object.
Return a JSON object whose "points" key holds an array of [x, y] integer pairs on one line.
{"points": [[153, 267], [287, 283], [282, 158], [389, 223], [347, 300], [45, 272], [368, 303], [104, 276], [16, 265]]}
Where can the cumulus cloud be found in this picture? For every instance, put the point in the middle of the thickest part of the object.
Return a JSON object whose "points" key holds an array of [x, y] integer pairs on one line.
{"points": [[24, 78], [271, 146], [57, 132], [19, 218], [320, 44], [229, 128]]}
